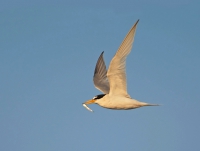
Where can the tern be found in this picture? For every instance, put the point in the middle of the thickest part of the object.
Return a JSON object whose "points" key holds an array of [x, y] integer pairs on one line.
{"points": [[113, 82]]}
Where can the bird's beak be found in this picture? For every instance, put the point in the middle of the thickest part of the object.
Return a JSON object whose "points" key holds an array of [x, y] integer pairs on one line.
{"points": [[89, 102]]}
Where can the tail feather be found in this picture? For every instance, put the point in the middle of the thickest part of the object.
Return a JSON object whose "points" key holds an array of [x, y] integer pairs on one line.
{"points": [[140, 104], [152, 104]]}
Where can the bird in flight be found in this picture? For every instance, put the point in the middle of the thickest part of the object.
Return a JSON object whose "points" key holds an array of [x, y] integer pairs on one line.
{"points": [[113, 82]]}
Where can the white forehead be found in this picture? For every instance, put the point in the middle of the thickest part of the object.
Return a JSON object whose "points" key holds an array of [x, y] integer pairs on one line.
{"points": [[94, 97]]}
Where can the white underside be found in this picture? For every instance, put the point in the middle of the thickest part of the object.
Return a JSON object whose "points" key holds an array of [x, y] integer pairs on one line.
{"points": [[119, 103]]}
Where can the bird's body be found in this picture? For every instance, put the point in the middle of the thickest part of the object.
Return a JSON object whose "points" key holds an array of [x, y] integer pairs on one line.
{"points": [[119, 103], [113, 82]]}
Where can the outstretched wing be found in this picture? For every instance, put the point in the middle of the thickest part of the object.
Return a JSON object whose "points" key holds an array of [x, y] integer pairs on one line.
{"points": [[100, 76], [117, 69]]}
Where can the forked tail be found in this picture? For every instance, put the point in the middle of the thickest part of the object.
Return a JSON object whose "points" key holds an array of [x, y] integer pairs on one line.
{"points": [[152, 104]]}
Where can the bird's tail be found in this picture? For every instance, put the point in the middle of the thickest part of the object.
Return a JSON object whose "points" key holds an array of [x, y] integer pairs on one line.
{"points": [[152, 104], [147, 104]]}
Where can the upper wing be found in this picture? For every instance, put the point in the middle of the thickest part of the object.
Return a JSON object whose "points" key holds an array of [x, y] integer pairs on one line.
{"points": [[100, 77], [117, 71]]}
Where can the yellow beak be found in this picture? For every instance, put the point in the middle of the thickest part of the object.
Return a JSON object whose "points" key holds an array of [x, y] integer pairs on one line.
{"points": [[89, 102]]}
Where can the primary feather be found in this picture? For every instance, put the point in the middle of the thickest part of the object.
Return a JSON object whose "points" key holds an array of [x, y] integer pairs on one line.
{"points": [[117, 69], [100, 76]]}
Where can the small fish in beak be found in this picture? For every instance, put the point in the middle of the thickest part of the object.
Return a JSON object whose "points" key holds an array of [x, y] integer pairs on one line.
{"points": [[87, 107]]}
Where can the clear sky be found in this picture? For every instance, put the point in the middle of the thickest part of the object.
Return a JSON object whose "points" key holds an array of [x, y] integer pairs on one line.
{"points": [[48, 51]]}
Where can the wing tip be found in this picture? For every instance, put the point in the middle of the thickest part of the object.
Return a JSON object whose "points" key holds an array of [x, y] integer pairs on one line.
{"points": [[100, 62], [137, 22]]}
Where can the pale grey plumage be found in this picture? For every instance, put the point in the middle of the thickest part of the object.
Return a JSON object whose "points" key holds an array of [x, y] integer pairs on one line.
{"points": [[100, 76], [117, 69]]}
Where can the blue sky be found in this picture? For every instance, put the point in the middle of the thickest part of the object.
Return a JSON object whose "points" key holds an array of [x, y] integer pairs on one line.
{"points": [[48, 51]]}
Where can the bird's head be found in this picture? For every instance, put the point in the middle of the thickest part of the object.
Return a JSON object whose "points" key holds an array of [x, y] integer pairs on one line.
{"points": [[94, 99]]}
